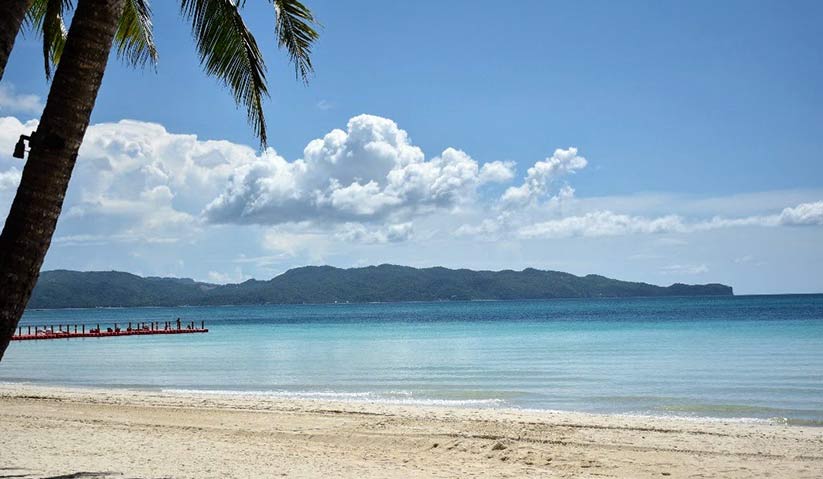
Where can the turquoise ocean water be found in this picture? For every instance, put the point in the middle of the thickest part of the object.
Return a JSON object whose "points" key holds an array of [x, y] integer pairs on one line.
{"points": [[735, 357]]}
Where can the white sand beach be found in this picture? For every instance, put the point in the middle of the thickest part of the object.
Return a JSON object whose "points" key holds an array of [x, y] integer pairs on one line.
{"points": [[62, 432]]}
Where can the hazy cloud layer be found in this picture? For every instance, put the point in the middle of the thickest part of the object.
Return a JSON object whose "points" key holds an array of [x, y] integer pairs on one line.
{"points": [[392, 233], [607, 223], [9, 179], [11, 101]]}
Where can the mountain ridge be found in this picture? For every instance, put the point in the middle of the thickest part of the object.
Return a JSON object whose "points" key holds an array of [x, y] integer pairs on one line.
{"points": [[327, 284]]}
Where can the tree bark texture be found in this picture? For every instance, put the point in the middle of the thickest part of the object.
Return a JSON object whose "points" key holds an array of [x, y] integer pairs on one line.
{"points": [[12, 13]]}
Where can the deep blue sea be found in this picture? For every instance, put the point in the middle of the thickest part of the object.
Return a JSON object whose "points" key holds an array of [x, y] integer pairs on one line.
{"points": [[731, 357]]}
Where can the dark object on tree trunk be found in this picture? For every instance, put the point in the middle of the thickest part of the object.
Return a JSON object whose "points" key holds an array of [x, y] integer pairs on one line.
{"points": [[13, 13], [29, 227], [20, 147]]}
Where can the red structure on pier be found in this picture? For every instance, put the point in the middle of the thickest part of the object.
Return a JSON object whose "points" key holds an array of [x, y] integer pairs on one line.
{"points": [[80, 331]]}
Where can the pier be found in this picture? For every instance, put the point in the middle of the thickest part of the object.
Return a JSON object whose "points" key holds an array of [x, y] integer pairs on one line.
{"points": [[67, 331]]}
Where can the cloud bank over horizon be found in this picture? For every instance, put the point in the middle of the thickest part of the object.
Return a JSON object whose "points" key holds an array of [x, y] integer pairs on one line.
{"points": [[368, 193]]}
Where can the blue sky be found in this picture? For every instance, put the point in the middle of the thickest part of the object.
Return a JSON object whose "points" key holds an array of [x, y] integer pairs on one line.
{"points": [[684, 113]]}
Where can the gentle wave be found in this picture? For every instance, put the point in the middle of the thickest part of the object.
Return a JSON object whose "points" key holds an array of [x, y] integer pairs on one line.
{"points": [[657, 415], [406, 398], [388, 397], [798, 422]]}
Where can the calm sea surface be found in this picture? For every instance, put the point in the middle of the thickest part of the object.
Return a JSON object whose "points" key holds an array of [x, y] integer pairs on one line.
{"points": [[740, 357]]}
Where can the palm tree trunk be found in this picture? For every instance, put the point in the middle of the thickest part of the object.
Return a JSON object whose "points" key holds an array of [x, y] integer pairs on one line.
{"points": [[27, 233], [10, 21]]}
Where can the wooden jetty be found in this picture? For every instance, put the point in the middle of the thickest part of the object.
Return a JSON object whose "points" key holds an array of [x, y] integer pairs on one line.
{"points": [[65, 331]]}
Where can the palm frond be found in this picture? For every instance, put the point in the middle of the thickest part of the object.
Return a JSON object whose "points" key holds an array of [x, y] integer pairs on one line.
{"points": [[134, 37], [229, 51], [47, 16], [295, 32]]}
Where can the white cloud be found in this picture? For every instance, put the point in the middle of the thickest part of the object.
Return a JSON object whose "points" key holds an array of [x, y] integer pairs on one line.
{"points": [[486, 227], [608, 223], [12, 101], [497, 172], [236, 276], [541, 176], [129, 158], [10, 130], [11, 169], [9, 179], [359, 233], [296, 240], [521, 205], [369, 172], [685, 269], [602, 223], [803, 214], [134, 181]]}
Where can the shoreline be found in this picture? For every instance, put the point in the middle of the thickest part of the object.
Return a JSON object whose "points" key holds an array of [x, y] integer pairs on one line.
{"points": [[276, 397], [165, 434], [354, 399]]}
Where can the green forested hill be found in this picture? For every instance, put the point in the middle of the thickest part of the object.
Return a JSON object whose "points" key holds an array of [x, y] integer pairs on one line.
{"points": [[325, 284]]}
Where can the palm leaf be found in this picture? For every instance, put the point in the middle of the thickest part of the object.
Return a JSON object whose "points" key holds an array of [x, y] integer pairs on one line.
{"points": [[295, 32], [229, 51], [47, 16], [134, 37]]}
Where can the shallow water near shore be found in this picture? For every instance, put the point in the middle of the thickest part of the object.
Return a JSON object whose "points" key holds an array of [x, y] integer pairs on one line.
{"points": [[724, 357]]}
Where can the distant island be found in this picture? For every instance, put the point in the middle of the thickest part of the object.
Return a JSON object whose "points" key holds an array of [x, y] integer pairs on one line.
{"points": [[326, 284]]}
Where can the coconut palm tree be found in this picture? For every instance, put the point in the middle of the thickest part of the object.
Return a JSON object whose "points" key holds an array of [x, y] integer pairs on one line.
{"points": [[227, 50], [14, 11], [46, 16]]}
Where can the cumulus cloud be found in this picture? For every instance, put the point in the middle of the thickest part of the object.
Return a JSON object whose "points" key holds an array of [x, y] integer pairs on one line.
{"points": [[369, 172], [130, 160], [535, 197], [13, 102], [359, 233], [540, 178], [136, 180], [497, 172], [803, 214], [133, 180]]}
